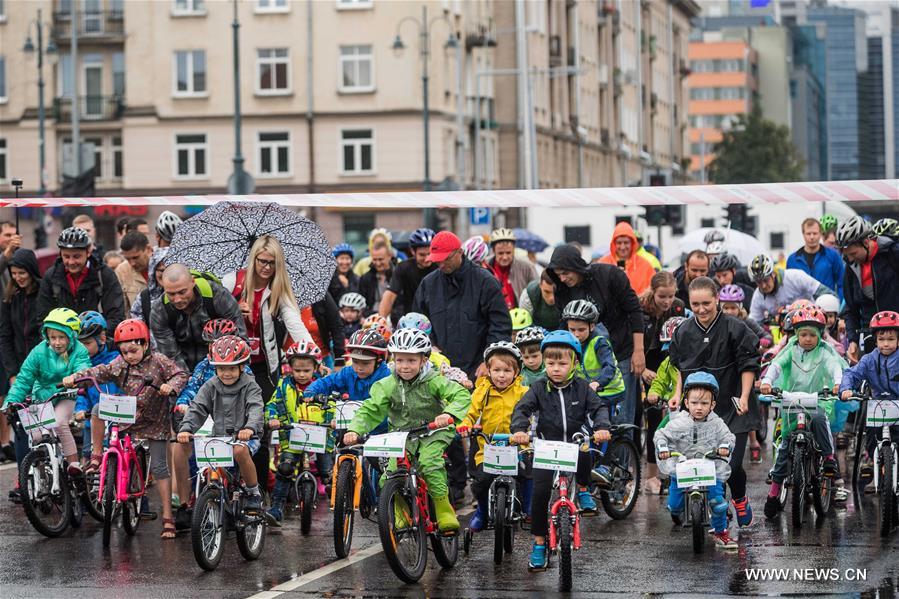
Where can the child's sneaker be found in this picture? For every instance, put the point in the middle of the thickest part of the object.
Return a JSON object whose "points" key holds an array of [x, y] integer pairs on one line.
{"points": [[476, 524], [601, 475], [253, 503], [755, 455], [744, 511], [724, 542], [277, 515], [537, 562], [830, 466], [586, 502], [867, 471], [447, 522], [772, 507]]}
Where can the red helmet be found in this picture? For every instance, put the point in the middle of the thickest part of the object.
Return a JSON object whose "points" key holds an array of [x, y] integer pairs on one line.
{"points": [[368, 340], [809, 317], [229, 350], [885, 320], [800, 304], [218, 327], [379, 324], [304, 349], [132, 330]]}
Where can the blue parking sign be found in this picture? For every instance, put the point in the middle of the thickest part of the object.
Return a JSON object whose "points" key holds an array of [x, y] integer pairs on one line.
{"points": [[479, 216]]}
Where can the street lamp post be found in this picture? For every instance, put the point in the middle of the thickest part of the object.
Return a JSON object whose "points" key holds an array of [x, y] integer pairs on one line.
{"points": [[29, 47], [240, 182]]}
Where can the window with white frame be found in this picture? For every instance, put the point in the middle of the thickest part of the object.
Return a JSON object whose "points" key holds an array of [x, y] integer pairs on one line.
{"points": [[2, 79], [356, 69], [2, 160], [272, 71], [190, 73], [118, 74], [191, 151], [273, 154], [188, 7], [354, 4], [117, 157], [357, 147], [272, 6], [97, 142]]}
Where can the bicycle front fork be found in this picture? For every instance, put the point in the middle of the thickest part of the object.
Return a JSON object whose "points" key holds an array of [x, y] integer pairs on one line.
{"points": [[885, 445]]}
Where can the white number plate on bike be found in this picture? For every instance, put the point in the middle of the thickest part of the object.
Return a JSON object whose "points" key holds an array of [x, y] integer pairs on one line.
{"points": [[500, 460], [695, 473], [308, 438], [555, 455], [391, 445], [881, 413], [795, 401], [37, 416], [118, 408], [344, 412], [213, 452]]}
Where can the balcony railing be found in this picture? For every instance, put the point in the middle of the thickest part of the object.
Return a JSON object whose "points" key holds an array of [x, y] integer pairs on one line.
{"points": [[92, 24], [90, 108]]}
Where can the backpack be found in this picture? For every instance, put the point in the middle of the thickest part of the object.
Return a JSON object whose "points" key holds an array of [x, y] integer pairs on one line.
{"points": [[203, 282]]}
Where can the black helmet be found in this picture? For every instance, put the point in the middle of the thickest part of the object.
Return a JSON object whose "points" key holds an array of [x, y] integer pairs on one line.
{"points": [[73, 238], [724, 261]]}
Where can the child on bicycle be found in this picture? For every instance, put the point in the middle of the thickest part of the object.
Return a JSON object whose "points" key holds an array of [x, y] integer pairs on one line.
{"points": [[351, 306], [152, 378], [288, 406], [93, 337], [58, 355], [806, 364], [564, 404], [415, 394], [492, 403], [528, 341], [234, 401], [698, 429]]}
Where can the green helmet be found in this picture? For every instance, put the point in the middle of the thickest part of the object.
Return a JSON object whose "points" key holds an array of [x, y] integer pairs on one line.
{"points": [[62, 319], [521, 318], [885, 226], [828, 223]]}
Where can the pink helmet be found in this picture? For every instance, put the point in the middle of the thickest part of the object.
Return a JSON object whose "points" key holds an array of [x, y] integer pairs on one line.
{"points": [[475, 249], [731, 293]]}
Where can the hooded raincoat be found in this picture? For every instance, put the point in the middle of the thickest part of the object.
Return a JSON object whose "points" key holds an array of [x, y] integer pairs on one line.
{"points": [[638, 269]]}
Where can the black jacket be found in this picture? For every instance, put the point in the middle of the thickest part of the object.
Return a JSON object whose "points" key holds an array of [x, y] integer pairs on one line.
{"points": [[336, 288], [370, 290], [99, 291], [467, 312], [20, 324], [561, 412], [859, 309], [606, 286], [330, 327], [652, 345]]}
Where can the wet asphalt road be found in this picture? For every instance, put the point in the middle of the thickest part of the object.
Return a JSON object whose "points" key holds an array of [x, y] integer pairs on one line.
{"points": [[641, 555]]}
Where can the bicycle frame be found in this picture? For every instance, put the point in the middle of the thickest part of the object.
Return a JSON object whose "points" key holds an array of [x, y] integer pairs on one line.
{"points": [[885, 444], [121, 446], [561, 481], [416, 485], [346, 455]]}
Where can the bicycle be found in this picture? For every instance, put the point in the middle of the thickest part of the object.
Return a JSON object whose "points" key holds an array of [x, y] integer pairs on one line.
{"points": [[621, 460], [697, 474], [221, 496], [305, 486]]}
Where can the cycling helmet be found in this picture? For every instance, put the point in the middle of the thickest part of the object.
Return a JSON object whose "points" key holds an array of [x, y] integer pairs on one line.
{"points": [[414, 320], [304, 349], [761, 267], [785, 320], [828, 303], [529, 335], [503, 347], [724, 261], [702, 380], [732, 293], [421, 238], [132, 330], [229, 350], [73, 238], [668, 328], [828, 223], [854, 230], [713, 236], [343, 248], [218, 327], [812, 316], [562, 339], [380, 231], [521, 319], [166, 225], [715, 248], [378, 323], [885, 320], [885, 226], [475, 249], [800, 304], [580, 310], [410, 341], [502, 234], [353, 300], [92, 324], [368, 340], [61, 319]]}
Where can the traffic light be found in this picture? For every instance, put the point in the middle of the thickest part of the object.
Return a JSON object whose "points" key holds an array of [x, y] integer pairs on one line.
{"points": [[737, 215], [656, 215], [674, 216]]}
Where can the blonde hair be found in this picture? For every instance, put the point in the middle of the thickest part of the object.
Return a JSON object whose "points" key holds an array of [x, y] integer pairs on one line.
{"points": [[282, 292]]}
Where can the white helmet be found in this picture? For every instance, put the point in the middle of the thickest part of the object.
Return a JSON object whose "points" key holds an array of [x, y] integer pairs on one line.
{"points": [[716, 247], [352, 300], [409, 341], [166, 225], [828, 303]]}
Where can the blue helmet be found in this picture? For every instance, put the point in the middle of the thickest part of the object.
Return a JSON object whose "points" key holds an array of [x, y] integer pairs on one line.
{"points": [[421, 238], [702, 380], [563, 338], [92, 324], [343, 248], [414, 320]]}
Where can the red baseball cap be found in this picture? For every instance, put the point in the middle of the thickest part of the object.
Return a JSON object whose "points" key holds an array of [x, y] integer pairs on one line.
{"points": [[444, 244]]}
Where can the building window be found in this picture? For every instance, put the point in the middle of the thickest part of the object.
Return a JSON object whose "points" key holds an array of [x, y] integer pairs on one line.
{"points": [[707, 223], [2, 160], [272, 71], [578, 234], [118, 74], [272, 6], [356, 69], [778, 240], [190, 73], [190, 156], [356, 228], [2, 78], [357, 151], [273, 154], [97, 142], [354, 4], [188, 7], [117, 157]]}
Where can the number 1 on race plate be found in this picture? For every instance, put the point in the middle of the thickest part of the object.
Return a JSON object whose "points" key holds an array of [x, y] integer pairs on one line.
{"points": [[500, 460], [555, 455], [695, 473], [213, 452], [344, 412], [38, 416], [882, 412], [118, 408], [391, 445], [309, 438]]}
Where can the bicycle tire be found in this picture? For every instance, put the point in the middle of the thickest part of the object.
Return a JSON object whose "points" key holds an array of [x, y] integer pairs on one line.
{"points": [[90, 497], [445, 547], [762, 432], [499, 523], [131, 507], [395, 488], [799, 492], [822, 498], [887, 497], [307, 504], [564, 540], [76, 514], [207, 524], [38, 459], [344, 514], [697, 516], [109, 497], [251, 536], [626, 473]]}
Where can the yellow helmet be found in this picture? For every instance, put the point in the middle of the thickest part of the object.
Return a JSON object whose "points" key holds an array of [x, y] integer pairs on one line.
{"points": [[521, 318], [502, 234], [62, 319]]}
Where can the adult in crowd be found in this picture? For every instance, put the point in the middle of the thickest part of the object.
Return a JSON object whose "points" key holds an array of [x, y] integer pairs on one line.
{"points": [[80, 281], [408, 275], [829, 225], [696, 265], [645, 253], [513, 273], [177, 318], [112, 259], [10, 241], [373, 284], [121, 227], [539, 299], [84, 221], [619, 310], [623, 254], [722, 345], [133, 274], [724, 268], [819, 261], [375, 236], [322, 320], [138, 224], [344, 279], [166, 225], [778, 288], [140, 309], [870, 283]]}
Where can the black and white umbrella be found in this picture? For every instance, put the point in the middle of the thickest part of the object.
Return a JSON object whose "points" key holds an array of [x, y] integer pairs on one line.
{"points": [[218, 240]]}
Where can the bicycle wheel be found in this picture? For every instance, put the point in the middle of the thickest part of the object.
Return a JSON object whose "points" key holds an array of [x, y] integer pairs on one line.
{"points": [[799, 490], [131, 507], [90, 497], [624, 470], [402, 541], [697, 515], [564, 540], [48, 512], [762, 433], [822, 497], [887, 498], [109, 497], [251, 536], [446, 549], [306, 494], [344, 514], [207, 530], [509, 534], [76, 514], [499, 523]]}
